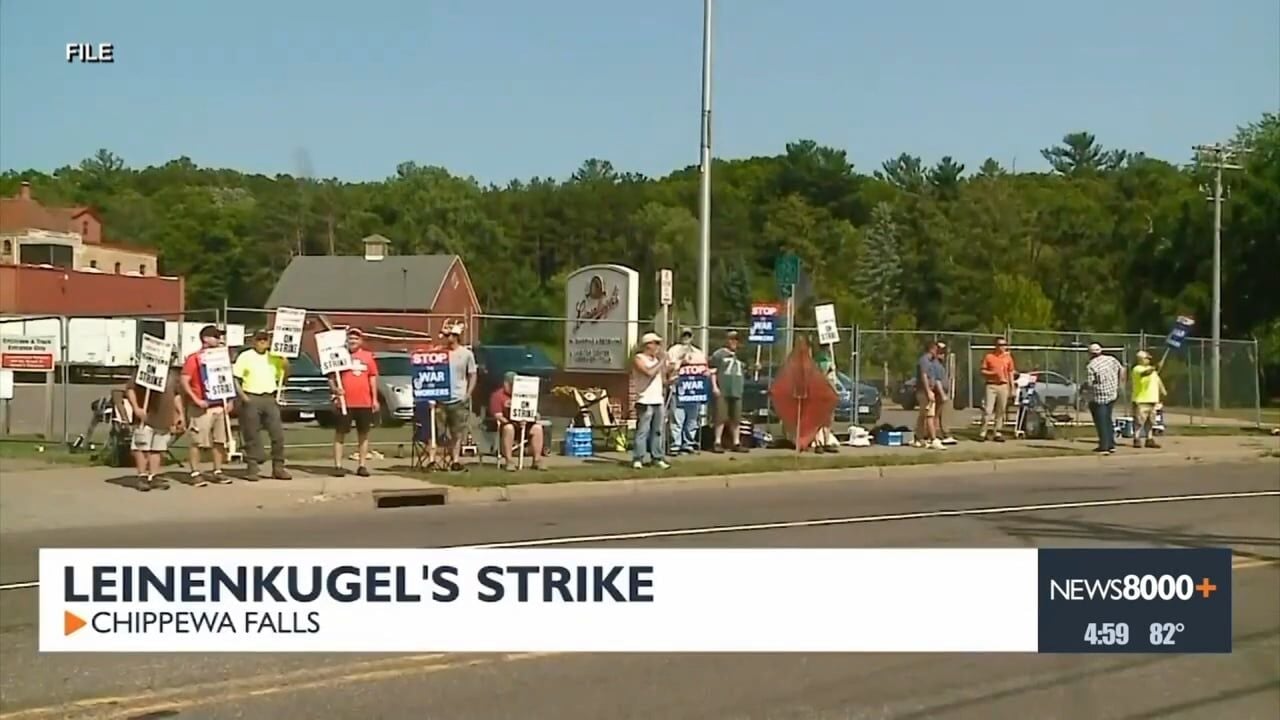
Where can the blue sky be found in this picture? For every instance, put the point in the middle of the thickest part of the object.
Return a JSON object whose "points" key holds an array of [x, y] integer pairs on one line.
{"points": [[508, 88]]}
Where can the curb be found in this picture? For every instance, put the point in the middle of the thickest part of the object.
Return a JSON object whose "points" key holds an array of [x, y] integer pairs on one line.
{"points": [[614, 488]]}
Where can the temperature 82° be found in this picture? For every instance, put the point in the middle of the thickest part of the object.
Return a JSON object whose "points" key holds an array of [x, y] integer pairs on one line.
{"points": [[1165, 633]]}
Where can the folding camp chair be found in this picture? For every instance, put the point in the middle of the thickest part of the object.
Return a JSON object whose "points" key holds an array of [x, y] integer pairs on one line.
{"points": [[420, 454]]}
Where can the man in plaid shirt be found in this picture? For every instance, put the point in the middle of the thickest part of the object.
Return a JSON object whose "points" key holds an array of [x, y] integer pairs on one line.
{"points": [[1105, 376]]}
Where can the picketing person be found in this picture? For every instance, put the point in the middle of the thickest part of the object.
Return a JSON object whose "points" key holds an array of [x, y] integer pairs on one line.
{"points": [[508, 429], [158, 418], [648, 375], [454, 414], [686, 417], [998, 374], [259, 374], [826, 441], [1106, 375], [942, 413], [727, 387], [1148, 396], [208, 421], [928, 386], [356, 389]]}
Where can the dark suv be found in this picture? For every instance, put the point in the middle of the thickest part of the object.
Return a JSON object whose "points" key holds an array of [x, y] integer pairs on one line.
{"points": [[757, 405]]}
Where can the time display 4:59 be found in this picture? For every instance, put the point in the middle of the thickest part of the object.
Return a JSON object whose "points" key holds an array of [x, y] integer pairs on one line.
{"points": [[1109, 634]]}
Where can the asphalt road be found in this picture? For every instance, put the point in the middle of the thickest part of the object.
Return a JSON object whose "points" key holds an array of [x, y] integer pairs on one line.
{"points": [[1006, 512]]}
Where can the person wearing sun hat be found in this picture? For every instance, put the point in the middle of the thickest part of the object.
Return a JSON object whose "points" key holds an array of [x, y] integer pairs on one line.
{"points": [[685, 416], [648, 376]]}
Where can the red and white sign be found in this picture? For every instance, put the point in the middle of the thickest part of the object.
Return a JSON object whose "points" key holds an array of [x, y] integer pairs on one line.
{"points": [[28, 353], [764, 310], [429, 357]]}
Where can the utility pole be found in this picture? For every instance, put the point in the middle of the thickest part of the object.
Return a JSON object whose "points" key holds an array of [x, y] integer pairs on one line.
{"points": [[704, 203], [1218, 157]]}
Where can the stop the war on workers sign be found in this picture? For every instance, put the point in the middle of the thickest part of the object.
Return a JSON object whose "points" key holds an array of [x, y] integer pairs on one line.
{"points": [[692, 384], [431, 375]]}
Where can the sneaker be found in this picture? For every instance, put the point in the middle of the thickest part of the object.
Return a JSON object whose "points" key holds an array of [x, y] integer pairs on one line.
{"points": [[1137, 443], [937, 445], [217, 478], [158, 483], [948, 440], [662, 465], [539, 467], [362, 471], [509, 467], [195, 479], [142, 484], [1153, 444], [637, 465], [456, 467], [340, 471], [831, 449], [918, 444], [739, 449], [717, 449], [999, 438]]}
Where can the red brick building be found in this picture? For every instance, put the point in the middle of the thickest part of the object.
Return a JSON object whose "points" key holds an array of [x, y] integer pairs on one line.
{"points": [[397, 298], [57, 261]]}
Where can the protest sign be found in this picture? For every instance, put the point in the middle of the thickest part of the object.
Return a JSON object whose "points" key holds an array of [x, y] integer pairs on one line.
{"points": [[693, 385], [764, 324], [286, 334], [828, 331], [524, 398], [153, 363], [432, 378], [217, 378]]}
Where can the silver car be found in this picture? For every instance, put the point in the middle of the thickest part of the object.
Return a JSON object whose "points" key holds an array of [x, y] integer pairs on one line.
{"points": [[395, 387]]}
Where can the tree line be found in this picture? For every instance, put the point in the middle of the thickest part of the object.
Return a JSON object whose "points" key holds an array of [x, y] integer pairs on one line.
{"points": [[1107, 240]]}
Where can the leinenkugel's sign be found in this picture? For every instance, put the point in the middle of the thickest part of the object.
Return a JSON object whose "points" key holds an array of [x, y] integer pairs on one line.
{"points": [[603, 310]]}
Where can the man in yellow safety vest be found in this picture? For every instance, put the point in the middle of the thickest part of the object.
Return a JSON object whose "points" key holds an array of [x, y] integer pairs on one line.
{"points": [[1148, 394]]}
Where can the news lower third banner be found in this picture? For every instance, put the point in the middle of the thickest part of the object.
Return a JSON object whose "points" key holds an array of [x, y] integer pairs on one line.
{"points": [[635, 600]]}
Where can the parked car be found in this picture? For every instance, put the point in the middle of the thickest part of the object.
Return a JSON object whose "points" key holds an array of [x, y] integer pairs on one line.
{"points": [[757, 405], [395, 387], [493, 362], [1054, 389], [305, 395]]}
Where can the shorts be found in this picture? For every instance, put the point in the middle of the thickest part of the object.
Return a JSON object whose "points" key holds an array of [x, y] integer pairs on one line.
{"points": [[453, 418], [728, 410], [148, 439], [362, 418], [928, 408], [209, 427]]}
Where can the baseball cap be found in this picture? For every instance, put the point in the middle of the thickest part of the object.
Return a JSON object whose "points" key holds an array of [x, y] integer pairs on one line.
{"points": [[1143, 355], [731, 335], [210, 331], [355, 332], [650, 337], [686, 332], [262, 335], [1094, 348]]}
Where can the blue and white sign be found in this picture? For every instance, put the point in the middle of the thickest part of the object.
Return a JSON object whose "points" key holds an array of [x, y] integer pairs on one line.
{"points": [[431, 380], [693, 384], [764, 324], [1181, 329]]}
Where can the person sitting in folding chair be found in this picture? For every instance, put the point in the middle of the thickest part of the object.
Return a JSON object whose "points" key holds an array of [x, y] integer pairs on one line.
{"points": [[500, 411]]}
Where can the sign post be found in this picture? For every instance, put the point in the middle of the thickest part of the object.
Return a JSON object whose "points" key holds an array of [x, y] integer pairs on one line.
{"points": [[524, 406], [786, 272], [32, 354], [331, 346]]}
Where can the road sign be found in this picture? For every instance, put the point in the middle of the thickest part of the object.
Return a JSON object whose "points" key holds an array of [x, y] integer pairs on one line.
{"points": [[28, 353], [786, 271], [666, 287]]}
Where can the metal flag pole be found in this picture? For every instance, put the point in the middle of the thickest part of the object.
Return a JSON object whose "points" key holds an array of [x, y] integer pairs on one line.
{"points": [[704, 204]]}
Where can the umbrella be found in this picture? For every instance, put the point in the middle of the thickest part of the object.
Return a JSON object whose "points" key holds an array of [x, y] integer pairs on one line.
{"points": [[802, 396]]}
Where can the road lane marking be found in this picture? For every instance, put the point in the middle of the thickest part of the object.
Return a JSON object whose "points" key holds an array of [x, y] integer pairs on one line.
{"points": [[894, 517], [224, 691], [824, 522]]}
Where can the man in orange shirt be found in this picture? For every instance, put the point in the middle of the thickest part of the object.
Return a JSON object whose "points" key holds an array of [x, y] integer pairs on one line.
{"points": [[998, 373], [358, 388]]}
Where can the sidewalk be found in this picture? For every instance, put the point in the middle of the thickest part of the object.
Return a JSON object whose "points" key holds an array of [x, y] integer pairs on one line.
{"points": [[63, 496]]}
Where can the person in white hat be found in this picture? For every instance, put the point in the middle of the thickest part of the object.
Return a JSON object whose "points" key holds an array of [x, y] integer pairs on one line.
{"points": [[686, 358], [1106, 375], [1148, 393], [455, 413], [648, 373]]}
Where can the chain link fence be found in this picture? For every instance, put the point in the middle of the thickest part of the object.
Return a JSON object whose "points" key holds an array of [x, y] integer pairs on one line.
{"points": [[93, 354]]}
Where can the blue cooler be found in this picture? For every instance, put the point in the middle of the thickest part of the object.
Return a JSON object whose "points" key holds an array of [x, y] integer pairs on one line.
{"points": [[1124, 427], [578, 443], [891, 438]]}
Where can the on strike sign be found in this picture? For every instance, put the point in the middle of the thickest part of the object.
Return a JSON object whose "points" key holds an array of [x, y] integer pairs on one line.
{"points": [[331, 346], [431, 375], [286, 334], [153, 363], [27, 353], [218, 383]]}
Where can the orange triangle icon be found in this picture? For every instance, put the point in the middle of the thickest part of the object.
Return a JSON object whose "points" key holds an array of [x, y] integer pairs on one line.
{"points": [[71, 622]]}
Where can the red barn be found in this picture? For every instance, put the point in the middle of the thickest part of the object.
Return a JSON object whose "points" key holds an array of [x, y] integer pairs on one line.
{"points": [[395, 298]]}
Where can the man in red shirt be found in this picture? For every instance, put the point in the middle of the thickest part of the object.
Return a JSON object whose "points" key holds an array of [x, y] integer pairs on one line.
{"points": [[208, 419], [500, 411], [357, 387]]}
